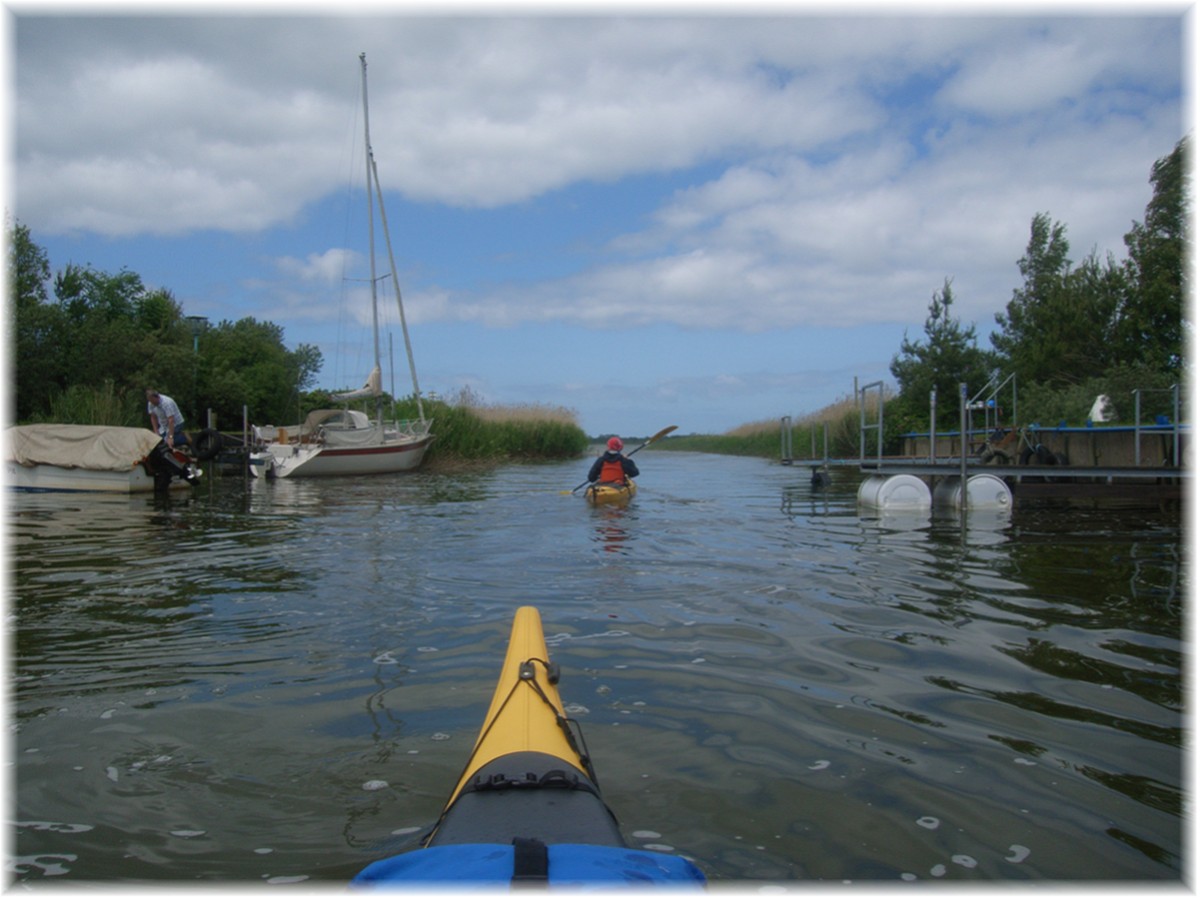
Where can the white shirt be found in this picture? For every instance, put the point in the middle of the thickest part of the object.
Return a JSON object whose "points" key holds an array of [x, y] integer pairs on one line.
{"points": [[166, 409]]}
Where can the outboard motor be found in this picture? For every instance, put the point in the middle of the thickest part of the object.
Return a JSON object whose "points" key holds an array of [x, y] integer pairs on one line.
{"points": [[166, 464]]}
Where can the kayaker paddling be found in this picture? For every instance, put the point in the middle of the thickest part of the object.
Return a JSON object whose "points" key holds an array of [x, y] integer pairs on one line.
{"points": [[613, 467], [599, 489]]}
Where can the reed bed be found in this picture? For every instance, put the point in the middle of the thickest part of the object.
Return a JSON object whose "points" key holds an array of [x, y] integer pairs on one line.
{"points": [[479, 432], [764, 438], [103, 405]]}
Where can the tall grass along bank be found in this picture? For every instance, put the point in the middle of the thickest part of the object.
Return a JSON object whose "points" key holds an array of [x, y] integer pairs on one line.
{"points": [[470, 433], [764, 438]]}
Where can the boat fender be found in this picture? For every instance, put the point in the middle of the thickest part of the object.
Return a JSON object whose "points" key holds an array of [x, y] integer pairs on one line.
{"points": [[207, 444], [494, 865]]}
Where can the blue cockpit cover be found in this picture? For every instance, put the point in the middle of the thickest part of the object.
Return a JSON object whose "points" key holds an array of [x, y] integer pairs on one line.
{"points": [[491, 866]]}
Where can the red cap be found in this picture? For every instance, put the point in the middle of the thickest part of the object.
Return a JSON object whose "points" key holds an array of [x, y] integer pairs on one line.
{"points": [[614, 443]]}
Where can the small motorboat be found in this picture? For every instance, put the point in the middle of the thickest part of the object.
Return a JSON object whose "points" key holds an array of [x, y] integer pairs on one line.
{"points": [[93, 458]]}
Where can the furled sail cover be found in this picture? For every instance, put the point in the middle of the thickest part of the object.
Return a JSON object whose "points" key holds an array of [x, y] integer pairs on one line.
{"points": [[373, 387]]}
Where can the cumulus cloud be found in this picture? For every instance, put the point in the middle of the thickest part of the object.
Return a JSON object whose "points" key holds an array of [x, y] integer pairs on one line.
{"points": [[832, 171]]}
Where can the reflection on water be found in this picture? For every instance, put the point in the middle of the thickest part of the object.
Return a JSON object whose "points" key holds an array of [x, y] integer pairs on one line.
{"points": [[278, 683], [615, 527]]}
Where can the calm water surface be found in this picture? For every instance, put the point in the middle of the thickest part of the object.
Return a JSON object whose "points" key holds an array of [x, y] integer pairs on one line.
{"points": [[278, 685]]}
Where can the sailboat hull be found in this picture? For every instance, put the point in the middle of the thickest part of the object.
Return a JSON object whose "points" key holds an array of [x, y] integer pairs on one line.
{"points": [[314, 461]]}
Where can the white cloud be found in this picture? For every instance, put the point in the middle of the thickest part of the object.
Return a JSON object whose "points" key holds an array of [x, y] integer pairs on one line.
{"points": [[322, 269], [849, 164]]}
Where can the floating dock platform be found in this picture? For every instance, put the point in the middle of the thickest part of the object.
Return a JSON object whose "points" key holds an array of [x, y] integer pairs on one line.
{"points": [[1120, 461]]}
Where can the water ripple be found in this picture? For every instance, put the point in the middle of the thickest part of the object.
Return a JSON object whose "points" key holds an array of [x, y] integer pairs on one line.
{"points": [[801, 689]]}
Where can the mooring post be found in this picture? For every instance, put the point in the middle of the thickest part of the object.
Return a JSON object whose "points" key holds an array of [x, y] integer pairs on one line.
{"points": [[962, 427], [933, 425]]}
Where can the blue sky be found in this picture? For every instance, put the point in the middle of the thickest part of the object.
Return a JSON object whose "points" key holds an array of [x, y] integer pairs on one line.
{"points": [[693, 218]]}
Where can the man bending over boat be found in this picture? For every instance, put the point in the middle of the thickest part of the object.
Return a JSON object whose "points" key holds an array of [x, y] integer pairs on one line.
{"points": [[165, 418], [613, 467]]}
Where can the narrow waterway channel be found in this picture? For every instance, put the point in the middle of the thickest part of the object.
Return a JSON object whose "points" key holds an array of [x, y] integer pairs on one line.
{"points": [[279, 684]]}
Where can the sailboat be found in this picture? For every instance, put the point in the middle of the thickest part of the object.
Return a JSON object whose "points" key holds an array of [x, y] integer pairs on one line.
{"points": [[346, 441]]}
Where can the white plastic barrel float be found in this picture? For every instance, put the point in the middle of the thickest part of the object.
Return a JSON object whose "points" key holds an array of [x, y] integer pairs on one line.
{"points": [[983, 492], [894, 492]]}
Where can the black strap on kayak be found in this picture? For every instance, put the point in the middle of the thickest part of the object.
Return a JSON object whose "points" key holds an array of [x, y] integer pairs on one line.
{"points": [[555, 779], [527, 675], [574, 735], [531, 862]]}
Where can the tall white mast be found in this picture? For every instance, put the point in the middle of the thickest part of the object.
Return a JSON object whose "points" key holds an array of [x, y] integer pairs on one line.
{"points": [[373, 179], [371, 227]]}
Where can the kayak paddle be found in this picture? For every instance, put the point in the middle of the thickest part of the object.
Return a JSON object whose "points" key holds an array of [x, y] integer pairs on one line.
{"points": [[662, 433]]}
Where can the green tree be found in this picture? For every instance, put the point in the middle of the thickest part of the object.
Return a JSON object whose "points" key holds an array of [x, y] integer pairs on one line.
{"points": [[28, 268], [1150, 324], [35, 326], [118, 330], [1031, 338], [949, 357], [101, 339], [246, 363], [157, 312]]}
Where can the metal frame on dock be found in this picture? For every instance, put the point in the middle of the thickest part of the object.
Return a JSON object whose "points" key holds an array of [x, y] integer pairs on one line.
{"points": [[963, 465]]}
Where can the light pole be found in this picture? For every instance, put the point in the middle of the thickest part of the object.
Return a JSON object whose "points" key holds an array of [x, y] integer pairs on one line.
{"points": [[197, 325]]}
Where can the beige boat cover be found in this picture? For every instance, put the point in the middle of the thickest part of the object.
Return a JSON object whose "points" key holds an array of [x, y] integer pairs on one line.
{"points": [[99, 447]]}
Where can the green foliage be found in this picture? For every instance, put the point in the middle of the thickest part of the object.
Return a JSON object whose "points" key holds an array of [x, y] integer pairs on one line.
{"points": [[98, 329], [33, 324], [949, 357], [246, 362], [1055, 329], [1067, 335], [1071, 333], [1150, 324], [1048, 405], [83, 405]]}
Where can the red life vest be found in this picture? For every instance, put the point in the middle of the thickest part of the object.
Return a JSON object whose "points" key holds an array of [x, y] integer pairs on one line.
{"points": [[612, 471]]}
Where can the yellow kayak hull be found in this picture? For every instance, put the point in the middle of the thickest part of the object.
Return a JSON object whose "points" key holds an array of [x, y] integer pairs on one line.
{"points": [[608, 494], [526, 707], [527, 811], [528, 775]]}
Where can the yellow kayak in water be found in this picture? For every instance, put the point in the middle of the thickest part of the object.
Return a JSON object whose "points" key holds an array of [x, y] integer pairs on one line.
{"points": [[526, 715], [606, 492], [527, 808]]}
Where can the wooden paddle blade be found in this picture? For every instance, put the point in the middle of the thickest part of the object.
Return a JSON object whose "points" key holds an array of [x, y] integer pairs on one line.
{"points": [[662, 433]]}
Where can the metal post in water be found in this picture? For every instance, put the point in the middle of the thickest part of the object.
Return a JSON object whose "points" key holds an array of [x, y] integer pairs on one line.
{"points": [[246, 446], [962, 423], [933, 425], [1137, 427], [862, 421], [1175, 425]]}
